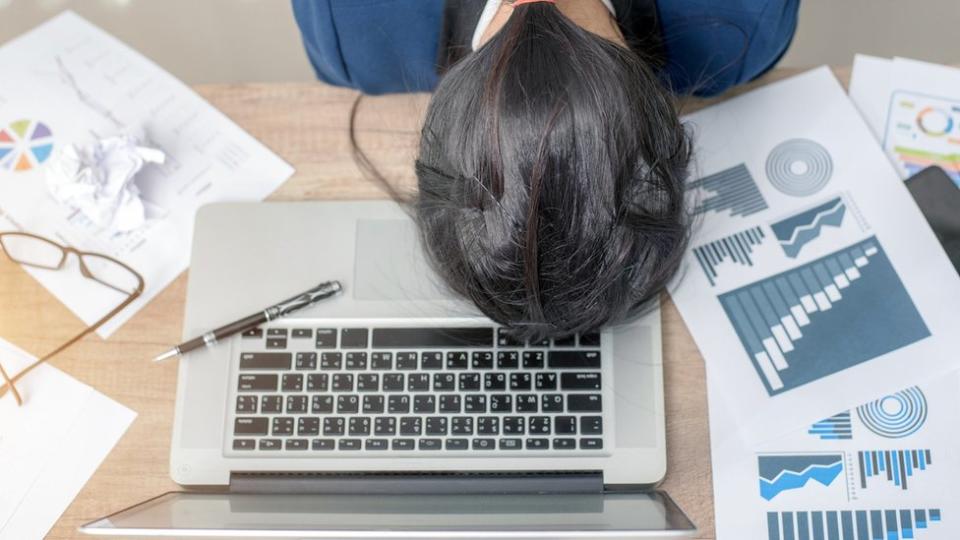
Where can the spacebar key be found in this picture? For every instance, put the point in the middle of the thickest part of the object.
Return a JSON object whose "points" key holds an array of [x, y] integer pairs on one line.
{"points": [[574, 359]]}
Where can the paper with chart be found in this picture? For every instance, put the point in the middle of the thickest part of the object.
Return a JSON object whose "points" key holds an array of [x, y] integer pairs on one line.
{"points": [[886, 469], [66, 81], [51, 445], [914, 110], [812, 282]]}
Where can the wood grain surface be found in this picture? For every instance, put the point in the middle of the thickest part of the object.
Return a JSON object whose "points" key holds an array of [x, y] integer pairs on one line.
{"points": [[306, 124]]}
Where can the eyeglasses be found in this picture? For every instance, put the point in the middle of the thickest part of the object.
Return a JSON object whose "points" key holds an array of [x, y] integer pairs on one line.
{"points": [[39, 252]]}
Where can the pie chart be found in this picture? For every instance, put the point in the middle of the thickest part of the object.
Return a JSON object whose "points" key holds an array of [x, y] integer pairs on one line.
{"points": [[25, 144]]}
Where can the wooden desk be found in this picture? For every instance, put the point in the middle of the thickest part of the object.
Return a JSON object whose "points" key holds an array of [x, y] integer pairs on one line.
{"points": [[306, 124]]}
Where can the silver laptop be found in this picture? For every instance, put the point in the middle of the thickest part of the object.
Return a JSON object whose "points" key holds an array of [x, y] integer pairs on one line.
{"points": [[395, 409]]}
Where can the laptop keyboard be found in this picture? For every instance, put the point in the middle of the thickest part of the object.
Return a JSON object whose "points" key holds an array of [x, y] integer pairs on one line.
{"points": [[413, 390]]}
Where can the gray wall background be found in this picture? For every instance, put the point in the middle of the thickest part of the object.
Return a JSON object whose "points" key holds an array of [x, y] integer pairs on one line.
{"points": [[205, 41]]}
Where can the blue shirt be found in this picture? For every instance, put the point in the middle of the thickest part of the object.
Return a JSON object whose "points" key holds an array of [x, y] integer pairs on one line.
{"points": [[389, 46]]}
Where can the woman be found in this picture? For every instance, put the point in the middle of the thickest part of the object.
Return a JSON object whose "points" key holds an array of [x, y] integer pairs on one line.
{"points": [[552, 160]]}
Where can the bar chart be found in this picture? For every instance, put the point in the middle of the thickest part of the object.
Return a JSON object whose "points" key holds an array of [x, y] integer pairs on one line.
{"points": [[732, 190], [896, 465], [850, 524], [824, 316], [736, 248], [837, 427]]}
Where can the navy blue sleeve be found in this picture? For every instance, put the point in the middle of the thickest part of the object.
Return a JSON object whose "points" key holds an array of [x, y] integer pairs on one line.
{"points": [[375, 46]]}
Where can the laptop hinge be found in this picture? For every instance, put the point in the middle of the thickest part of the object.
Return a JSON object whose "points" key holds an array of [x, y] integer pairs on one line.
{"points": [[431, 483]]}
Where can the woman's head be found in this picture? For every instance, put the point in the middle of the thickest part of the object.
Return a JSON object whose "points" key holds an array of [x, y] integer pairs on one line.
{"points": [[551, 172]]}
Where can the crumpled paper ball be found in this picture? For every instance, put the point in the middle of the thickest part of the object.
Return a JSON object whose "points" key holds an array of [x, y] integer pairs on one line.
{"points": [[96, 178]]}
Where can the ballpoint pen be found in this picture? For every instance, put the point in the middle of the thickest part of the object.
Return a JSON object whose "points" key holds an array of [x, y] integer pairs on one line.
{"points": [[300, 301]]}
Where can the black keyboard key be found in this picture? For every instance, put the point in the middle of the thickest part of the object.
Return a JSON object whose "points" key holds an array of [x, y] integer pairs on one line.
{"points": [[410, 425], [321, 404], [358, 426], [580, 381], [475, 404], [356, 361], [258, 383], [308, 426], [244, 444], [296, 404], [424, 404], [431, 360], [545, 342], [488, 425], [538, 425], [502, 403], [511, 444], [373, 404], [591, 444], [444, 382], [569, 341], [376, 444], [398, 404], [565, 443], [393, 382], [514, 425], [436, 425], [430, 444], [469, 382], [276, 332], [271, 404], [533, 360], [538, 444], [342, 382], [551, 402], [297, 444], [271, 444], [590, 340], [250, 426], [282, 425], [302, 333], [458, 444], [584, 403], [565, 425], [348, 404], [349, 444], [402, 444], [331, 360], [504, 339], [546, 381], [482, 360], [484, 444], [334, 426], [508, 360], [246, 404], [354, 338], [368, 382], [520, 381], [276, 343], [253, 333], [323, 444], [406, 361], [418, 382], [494, 381], [291, 382], [431, 338], [527, 403], [306, 360], [384, 425], [461, 425], [317, 382], [574, 359], [381, 361], [326, 338], [457, 360], [450, 403], [591, 425], [265, 361]]}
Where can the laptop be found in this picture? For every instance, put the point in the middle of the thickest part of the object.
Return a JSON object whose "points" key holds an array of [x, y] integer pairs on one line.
{"points": [[395, 410]]}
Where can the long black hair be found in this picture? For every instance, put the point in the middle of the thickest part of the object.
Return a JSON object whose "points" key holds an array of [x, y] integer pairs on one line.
{"points": [[551, 175]]}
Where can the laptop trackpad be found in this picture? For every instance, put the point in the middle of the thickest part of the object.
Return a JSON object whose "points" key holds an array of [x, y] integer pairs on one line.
{"points": [[390, 264]]}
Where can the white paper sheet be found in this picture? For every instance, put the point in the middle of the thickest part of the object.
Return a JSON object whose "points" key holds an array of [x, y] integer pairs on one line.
{"points": [[68, 80], [813, 282], [841, 478], [51, 445]]}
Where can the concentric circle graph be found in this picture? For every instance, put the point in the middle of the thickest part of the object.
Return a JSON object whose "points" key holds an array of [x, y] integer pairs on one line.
{"points": [[799, 167], [24, 144], [897, 415]]}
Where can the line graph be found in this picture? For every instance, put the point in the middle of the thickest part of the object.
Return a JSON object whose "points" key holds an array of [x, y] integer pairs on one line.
{"points": [[796, 231], [785, 472]]}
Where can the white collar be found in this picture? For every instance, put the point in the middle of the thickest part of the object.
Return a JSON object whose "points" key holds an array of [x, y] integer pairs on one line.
{"points": [[490, 9]]}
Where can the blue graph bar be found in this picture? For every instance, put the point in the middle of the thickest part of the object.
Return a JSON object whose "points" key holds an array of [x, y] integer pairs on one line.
{"points": [[787, 518], [732, 190], [818, 532], [737, 248], [899, 465], [833, 532], [773, 526], [823, 317], [863, 531], [834, 428], [803, 524], [887, 524]]}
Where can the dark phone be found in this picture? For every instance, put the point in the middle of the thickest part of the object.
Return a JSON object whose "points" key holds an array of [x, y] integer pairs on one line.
{"points": [[939, 200]]}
